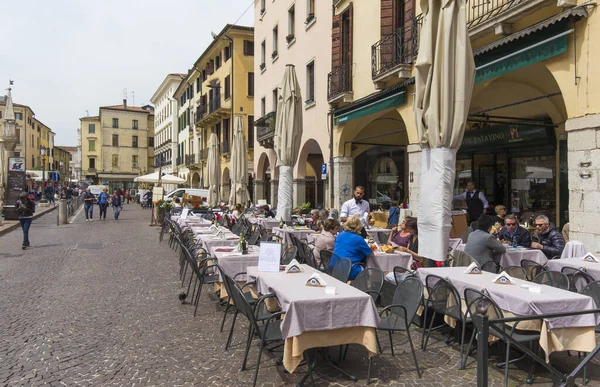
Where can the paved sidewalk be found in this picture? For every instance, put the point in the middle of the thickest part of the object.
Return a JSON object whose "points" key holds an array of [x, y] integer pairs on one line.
{"points": [[95, 303], [9, 225]]}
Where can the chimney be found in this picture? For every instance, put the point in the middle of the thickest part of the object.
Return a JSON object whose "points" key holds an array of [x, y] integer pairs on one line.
{"points": [[124, 103]]}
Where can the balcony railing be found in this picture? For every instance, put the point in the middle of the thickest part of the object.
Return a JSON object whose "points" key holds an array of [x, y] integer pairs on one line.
{"points": [[479, 11], [179, 160], [215, 103], [201, 112], [214, 110], [265, 130], [339, 81], [190, 159], [91, 169], [225, 147], [396, 49]]}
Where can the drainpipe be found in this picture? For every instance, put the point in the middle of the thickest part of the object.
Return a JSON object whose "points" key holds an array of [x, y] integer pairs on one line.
{"points": [[331, 173]]}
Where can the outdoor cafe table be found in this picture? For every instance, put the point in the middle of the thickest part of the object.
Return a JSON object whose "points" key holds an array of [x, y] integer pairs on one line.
{"points": [[314, 319], [387, 261], [513, 257], [300, 233], [557, 334], [591, 268], [225, 239], [267, 223], [234, 262]]}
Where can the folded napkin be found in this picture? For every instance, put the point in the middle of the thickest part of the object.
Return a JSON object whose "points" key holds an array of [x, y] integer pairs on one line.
{"points": [[316, 281], [232, 238], [473, 268], [293, 267], [224, 249], [589, 257], [504, 279]]}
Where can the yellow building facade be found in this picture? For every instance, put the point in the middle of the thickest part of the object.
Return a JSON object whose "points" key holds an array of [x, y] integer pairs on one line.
{"points": [[118, 145], [26, 128], [218, 89], [532, 140], [61, 158]]}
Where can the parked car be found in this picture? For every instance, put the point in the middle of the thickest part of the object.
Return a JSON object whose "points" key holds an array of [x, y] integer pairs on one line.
{"points": [[190, 191], [96, 189]]}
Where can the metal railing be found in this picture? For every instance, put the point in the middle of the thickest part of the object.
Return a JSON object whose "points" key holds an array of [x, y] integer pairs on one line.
{"points": [[225, 147], [215, 103], [73, 205], [339, 81], [190, 159], [201, 111], [398, 48], [479, 11]]}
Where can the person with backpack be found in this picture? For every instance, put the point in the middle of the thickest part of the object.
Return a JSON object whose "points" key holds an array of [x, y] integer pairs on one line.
{"points": [[88, 204], [117, 204], [103, 202], [25, 207]]}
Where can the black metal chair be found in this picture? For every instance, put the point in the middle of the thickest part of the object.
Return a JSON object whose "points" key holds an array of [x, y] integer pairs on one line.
{"points": [[399, 316], [476, 303], [532, 268], [341, 270], [592, 290], [516, 272], [552, 278], [290, 253], [491, 267], [267, 333], [325, 258], [578, 278], [370, 281], [383, 237], [443, 299], [401, 273], [309, 257]]}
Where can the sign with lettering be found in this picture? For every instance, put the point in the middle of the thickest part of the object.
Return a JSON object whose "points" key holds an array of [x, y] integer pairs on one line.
{"points": [[504, 136], [488, 67], [16, 164]]}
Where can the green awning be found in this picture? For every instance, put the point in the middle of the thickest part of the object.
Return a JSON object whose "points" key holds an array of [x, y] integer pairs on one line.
{"points": [[374, 107]]}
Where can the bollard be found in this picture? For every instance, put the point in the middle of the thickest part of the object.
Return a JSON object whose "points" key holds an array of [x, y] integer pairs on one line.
{"points": [[62, 211]]}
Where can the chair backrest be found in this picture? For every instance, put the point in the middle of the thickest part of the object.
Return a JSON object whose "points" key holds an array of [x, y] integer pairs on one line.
{"points": [[516, 272], [443, 296], [239, 300], [532, 268], [341, 270], [408, 294], [254, 237], [370, 280], [460, 258], [593, 290], [490, 267], [289, 254], [400, 274], [552, 278], [477, 301], [578, 278], [383, 237], [268, 237], [309, 257], [325, 258]]}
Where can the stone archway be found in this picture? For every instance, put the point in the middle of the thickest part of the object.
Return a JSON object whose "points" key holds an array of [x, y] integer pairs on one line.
{"points": [[308, 184], [196, 180]]}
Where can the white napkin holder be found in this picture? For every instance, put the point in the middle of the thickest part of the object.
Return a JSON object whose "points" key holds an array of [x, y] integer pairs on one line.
{"points": [[219, 232], [316, 281], [213, 227], [293, 267], [589, 257], [504, 279], [473, 268]]}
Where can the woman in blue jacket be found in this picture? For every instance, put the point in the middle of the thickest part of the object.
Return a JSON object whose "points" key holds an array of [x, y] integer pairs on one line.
{"points": [[103, 202], [349, 244]]}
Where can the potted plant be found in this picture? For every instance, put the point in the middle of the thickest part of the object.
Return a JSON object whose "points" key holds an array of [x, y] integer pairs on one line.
{"points": [[310, 17], [289, 38], [262, 66], [274, 54]]}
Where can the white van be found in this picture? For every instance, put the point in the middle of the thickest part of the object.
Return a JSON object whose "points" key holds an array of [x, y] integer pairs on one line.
{"points": [[96, 189], [190, 191]]}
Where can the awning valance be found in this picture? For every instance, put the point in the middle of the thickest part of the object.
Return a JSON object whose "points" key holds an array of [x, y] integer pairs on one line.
{"points": [[393, 100]]}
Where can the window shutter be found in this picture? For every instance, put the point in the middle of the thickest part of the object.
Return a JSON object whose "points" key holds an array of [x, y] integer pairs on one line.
{"points": [[350, 38], [387, 17], [336, 41]]}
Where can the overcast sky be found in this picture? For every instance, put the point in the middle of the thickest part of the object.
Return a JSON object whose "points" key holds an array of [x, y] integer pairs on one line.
{"points": [[69, 56]]}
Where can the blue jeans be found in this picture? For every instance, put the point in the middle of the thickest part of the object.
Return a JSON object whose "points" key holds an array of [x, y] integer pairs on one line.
{"points": [[103, 207], [25, 224], [116, 211], [89, 210]]}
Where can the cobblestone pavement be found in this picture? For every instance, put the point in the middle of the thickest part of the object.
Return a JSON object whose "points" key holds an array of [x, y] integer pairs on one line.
{"points": [[96, 304]]}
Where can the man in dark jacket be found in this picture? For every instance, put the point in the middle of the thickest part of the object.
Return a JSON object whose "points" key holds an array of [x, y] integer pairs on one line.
{"points": [[512, 230], [547, 239], [25, 207]]}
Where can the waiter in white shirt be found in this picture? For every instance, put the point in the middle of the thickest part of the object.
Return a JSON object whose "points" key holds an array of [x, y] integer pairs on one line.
{"points": [[356, 205]]}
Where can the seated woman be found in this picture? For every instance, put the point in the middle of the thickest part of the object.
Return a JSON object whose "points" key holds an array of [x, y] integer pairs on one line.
{"points": [[326, 239], [481, 245], [268, 212], [413, 246], [400, 235], [238, 211], [349, 244], [313, 221], [176, 202]]}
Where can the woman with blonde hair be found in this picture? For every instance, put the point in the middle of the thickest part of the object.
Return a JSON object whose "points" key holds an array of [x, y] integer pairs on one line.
{"points": [[349, 244]]}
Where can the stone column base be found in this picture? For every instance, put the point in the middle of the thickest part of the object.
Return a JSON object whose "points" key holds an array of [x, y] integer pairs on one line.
{"points": [[343, 184]]}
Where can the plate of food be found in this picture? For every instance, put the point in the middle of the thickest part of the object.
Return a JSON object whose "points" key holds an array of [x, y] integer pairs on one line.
{"points": [[388, 248]]}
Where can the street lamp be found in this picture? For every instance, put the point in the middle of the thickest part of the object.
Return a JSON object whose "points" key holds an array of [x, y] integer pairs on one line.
{"points": [[62, 175], [43, 154]]}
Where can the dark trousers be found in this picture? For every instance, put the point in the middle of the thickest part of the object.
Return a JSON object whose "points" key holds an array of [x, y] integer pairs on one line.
{"points": [[89, 210], [25, 224], [103, 208]]}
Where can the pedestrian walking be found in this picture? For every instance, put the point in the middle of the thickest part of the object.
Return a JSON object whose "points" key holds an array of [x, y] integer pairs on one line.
{"points": [[88, 204], [117, 204], [103, 203], [25, 207]]}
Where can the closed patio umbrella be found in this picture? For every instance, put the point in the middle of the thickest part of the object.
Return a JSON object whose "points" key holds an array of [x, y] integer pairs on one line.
{"points": [[213, 165], [288, 134], [444, 84], [239, 166]]}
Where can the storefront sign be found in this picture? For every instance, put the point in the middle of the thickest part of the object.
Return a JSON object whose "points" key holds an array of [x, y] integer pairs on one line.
{"points": [[505, 136], [16, 164], [521, 59]]}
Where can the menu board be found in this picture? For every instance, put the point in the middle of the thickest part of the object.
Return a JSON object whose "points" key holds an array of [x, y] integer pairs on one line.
{"points": [[15, 185]]}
